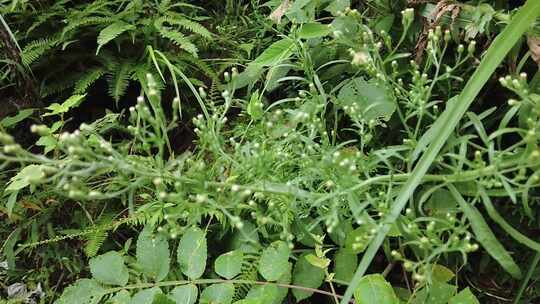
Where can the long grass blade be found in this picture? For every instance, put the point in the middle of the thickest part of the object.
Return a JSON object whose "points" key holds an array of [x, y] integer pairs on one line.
{"points": [[493, 57], [485, 236]]}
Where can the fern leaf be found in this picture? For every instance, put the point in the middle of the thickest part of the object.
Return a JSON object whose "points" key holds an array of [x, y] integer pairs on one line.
{"points": [[119, 81], [35, 49], [195, 27], [111, 32], [180, 40], [87, 80], [94, 242], [80, 22]]}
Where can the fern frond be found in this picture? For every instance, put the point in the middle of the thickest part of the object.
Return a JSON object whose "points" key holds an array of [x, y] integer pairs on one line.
{"points": [[94, 242], [173, 18], [180, 40], [87, 80], [118, 81], [248, 273], [111, 32], [75, 23], [35, 49]]}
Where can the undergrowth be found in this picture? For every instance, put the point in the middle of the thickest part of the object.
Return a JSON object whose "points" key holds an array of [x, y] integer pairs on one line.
{"points": [[274, 169]]}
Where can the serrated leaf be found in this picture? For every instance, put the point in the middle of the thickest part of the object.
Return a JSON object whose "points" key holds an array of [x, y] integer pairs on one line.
{"points": [[71, 102], [185, 294], [306, 275], [276, 53], [192, 253], [229, 265], [274, 261], [111, 32], [318, 262], [345, 262], [153, 254], [374, 288], [11, 121], [313, 30], [221, 293], [464, 297], [109, 268], [84, 291]]}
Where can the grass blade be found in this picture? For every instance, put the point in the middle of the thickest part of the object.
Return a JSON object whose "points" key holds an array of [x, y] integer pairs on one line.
{"points": [[493, 57], [485, 236]]}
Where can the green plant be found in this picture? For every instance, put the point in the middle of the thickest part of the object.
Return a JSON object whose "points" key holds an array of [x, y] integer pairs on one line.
{"points": [[332, 143]]}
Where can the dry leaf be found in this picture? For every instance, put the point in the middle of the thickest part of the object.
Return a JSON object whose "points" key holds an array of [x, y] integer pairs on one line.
{"points": [[277, 14], [534, 46]]}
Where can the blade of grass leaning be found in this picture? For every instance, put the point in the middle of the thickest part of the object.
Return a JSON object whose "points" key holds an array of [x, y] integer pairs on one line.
{"points": [[493, 57], [527, 278], [485, 236], [497, 218]]}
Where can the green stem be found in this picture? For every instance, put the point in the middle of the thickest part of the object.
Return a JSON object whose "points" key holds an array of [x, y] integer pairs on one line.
{"points": [[525, 282], [494, 56]]}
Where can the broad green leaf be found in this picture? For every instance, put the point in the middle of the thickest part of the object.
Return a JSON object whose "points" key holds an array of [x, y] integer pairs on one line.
{"points": [[345, 262], [373, 288], [340, 232], [272, 294], [11, 121], [245, 238], [111, 32], [192, 253], [29, 175], [313, 30], [122, 297], [358, 239], [485, 236], [276, 53], [229, 265], [249, 76], [153, 254], [436, 293], [109, 268], [367, 100], [162, 299], [145, 296], [505, 41], [48, 142], [84, 291], [337, 6], [464, 297], [251, 301], [185, 294], [440, 203], [221, 293], [303, 235], [306, 275], [384, 24], [441, 273], [274, 261], [71, 102]]}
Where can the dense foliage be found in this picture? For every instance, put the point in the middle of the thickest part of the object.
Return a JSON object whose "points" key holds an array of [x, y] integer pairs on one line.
{"points": [[269, 152]]}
